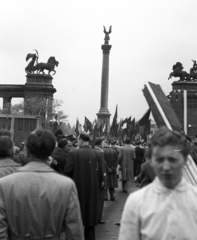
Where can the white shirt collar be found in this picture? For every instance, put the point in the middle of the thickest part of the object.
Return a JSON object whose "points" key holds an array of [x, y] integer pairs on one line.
{"points": [[160, 188]]}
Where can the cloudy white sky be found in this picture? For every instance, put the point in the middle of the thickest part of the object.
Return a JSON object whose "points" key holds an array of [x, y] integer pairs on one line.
{"points": [[148, 37]]}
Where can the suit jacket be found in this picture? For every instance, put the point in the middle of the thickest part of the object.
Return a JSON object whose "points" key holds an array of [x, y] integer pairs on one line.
{"points": [[111, 158], [36, 202], [61, 157], [147, 174]]}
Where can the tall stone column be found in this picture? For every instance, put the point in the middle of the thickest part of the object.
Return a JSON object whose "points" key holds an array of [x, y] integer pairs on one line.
{"points": [[103, 114], [7, 104]]}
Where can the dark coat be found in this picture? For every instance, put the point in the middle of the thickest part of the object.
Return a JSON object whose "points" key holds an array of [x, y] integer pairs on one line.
{"points": [[61, 157], [8, 166], [139, 154], [147, 174], [83, 166], [38, 203], [111, 158], [101, 197]]}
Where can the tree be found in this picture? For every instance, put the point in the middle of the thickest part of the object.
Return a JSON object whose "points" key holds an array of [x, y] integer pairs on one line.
{"points": [[46, 108]]}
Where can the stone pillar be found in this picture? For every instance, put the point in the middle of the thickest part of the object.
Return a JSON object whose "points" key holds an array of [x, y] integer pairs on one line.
{"points": [[7, 104], [103, 114]]}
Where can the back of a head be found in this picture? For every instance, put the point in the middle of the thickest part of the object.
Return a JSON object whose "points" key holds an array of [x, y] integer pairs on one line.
{"points": [[40, 143], [128, 141], [6, 146], [85, 137], [98, 141], [164, 137], [62, 142]]}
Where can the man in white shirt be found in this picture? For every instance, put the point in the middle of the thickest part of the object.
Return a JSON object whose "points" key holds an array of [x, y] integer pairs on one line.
{"points": [[166, 209]]}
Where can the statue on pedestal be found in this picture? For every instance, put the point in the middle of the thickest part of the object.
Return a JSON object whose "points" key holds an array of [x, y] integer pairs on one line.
{"points": [[193, 71], [107, 34], [35, 67], [34, 59], [178, 72]]}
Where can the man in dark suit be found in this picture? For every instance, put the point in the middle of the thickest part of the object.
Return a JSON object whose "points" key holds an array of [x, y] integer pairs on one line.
{"points": [[139, 157], [147, 174], [111, 158], [60, 155], [83, 167]]}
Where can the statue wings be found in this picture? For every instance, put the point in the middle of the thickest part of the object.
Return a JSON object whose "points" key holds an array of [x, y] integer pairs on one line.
{"points": [[110, 30]]}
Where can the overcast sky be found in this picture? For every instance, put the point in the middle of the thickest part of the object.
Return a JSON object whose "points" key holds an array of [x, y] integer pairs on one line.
{"points": [[148, 37]]}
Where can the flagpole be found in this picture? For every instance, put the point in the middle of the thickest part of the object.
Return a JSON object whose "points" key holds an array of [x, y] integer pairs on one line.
{"points": [[185, 110]]}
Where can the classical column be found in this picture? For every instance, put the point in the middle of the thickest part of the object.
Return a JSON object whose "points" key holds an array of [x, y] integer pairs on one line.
{"points": [[7, 104], [103, 114]]}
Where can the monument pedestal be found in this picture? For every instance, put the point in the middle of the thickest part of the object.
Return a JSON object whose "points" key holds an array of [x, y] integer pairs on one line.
{"points": [[176, 99], [39, 79]]}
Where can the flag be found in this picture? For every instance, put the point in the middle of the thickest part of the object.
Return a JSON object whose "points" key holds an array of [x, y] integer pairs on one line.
{"points": [[124, 122], [128, 124], [100, 130], [119, 132], [143, 121], [77, 127], [95, 129], [105, 129], [147, 129], [132, 128], [87, 125], [160, 107], [114, 127]]}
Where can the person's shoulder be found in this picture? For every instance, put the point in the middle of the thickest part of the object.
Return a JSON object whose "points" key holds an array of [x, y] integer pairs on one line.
{"points": [[139, 195], [192, 188]]}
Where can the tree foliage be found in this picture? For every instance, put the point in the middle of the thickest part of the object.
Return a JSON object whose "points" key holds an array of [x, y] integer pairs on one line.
{"points": [[46, 108]]}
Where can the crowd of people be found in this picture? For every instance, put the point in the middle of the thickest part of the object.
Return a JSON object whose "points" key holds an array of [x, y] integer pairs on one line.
{"points": [[54, 187]]}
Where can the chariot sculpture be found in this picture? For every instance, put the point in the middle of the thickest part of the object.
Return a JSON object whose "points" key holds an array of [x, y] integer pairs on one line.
{"points": [[183, 75], [35, 67]]}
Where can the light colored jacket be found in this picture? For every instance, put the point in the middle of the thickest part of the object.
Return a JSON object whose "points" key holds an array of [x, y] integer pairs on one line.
{"points": [[38, 203], [126, 157]]}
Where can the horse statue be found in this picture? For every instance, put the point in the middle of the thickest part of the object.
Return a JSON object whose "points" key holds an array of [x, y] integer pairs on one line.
{"points": [[50, 65], [193, 71], [178, 72], [34, 58]]}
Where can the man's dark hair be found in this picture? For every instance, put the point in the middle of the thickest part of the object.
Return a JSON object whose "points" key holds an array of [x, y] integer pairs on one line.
{"points": [[128, 141], [98, 141], [85, 137], [164, 137], [62, 142], [6, 147], [113, 142], [40, 143]]}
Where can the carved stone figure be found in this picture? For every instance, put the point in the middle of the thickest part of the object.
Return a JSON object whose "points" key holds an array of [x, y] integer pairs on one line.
{"points": [[34, 58], [178, 72], [193, 71], [35, 67], [50, 65], [107, 34]]}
